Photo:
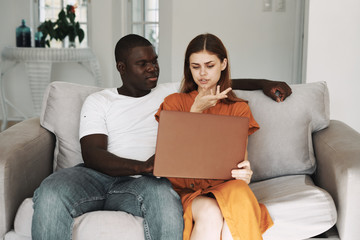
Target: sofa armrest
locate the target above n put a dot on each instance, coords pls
(337, 150)
(26, 158)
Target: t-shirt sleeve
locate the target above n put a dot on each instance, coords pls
(93, 117)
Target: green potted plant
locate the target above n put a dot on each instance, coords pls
(64, 26)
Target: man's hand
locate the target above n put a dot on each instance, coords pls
(278, 91)
(243, 172)
(149, 165)
(207, 99)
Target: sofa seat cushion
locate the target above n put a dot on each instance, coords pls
(298, 208)
(12, 235)
(108, 225)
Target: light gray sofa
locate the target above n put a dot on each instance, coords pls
(306, 167)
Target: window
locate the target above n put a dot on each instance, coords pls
(49, 10)
(145, 20)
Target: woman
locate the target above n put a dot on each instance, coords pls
(215, 209)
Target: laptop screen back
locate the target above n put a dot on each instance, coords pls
(195, 145)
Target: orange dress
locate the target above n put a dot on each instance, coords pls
(247, 219)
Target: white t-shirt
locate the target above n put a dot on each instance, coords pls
(128, 122)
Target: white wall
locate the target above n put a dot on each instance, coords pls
(11, 13)
(260, 44)
(263, 51)
(103, 19)
(333, 55)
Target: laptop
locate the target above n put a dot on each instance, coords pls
(196, 145)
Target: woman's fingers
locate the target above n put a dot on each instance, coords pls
(217, 93)
(244, 164)
(207, 98)
(220, 95)
(243, 172)
(217, 89)
(226, 91)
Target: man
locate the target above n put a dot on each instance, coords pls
(117, 137)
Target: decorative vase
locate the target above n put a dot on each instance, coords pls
(23, 35)
(37, 37)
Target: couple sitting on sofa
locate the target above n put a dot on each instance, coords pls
(118, 134)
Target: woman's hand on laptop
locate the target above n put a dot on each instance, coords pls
(243, 172)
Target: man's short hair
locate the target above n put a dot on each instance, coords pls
(128, 42)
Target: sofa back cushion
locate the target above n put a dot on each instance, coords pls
(282, 145)
(60, 114)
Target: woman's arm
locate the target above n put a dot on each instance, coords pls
(276, 90)
(243, 172)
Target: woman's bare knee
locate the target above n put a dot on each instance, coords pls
(207, 217)
(225, 233)
(206, 210)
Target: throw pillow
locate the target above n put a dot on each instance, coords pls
(283, 144)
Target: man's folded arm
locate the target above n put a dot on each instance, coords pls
(96, 156)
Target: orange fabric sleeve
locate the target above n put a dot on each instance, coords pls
(245, 111)
(174, 102)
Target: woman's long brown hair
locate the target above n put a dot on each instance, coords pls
(212, 44)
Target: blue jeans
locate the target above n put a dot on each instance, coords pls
(71, 192)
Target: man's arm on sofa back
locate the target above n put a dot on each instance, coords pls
(26, 158)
